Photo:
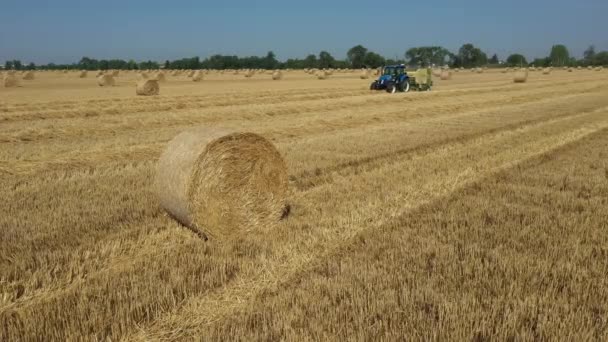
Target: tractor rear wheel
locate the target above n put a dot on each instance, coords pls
(391, 87)
(404, 86)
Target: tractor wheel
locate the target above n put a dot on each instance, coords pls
(404, 86)
(391, 88)
(374, 85)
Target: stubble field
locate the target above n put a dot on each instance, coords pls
(477, 211)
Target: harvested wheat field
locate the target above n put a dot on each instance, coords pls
(477, 211)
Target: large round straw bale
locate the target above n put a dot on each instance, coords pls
(197, 76)
(546, 71)
(321, 75)
(82, 74)
(520, 77)
(249, 73)
(28, 76)
(436, 72)
(589, 67)
(446, 75)
(277, 75)
(106, 81)
(570, 69)
(10, 81)
(479, 70)
(221, 182)
(147, 87)
(365, 74)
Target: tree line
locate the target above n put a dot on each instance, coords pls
(357, 57)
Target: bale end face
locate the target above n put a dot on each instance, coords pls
(520, 77)
(221, 182)
(147, 88)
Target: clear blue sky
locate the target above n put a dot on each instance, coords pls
(62, 31)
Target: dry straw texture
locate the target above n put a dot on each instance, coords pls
(147, 87)
(160, 77)
(321, 75)
(28, 76)
(82, 74)
(277, 75)
(197, 76)
(10, 81)
(365, 74)
(222, 182)
(249, 73)
(546, 71)
(520, 77)
(106, 81)
(446, 75)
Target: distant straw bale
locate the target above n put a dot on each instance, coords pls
(147, 88)
(106, 81)
(520, 76)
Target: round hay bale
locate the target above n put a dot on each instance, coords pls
(546, 71)
(11, 81)
(198, 76)
(365, 74)
(191, 73)
(106, 81)
(321, 75)
(446, 75)
(249, 73)
(479, 70)
(436, 72)
(520, 77)
(115, 73)
(223, 183)
(160, 77)
(147, 88)
(589, 67)
(99, 73)
(277, 75)
(83, 74)
(28, 76)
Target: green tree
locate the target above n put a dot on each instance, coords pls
(601, 58)
(516, 60)
(494, 59)
(589, 54)
(311, 61)
(8, 65)
(470, 56)
(373, 60)
(356, 56)
(559, 55)
(31, 66)
(326, 60)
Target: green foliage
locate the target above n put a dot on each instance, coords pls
(559, 55)
(589, 54)
(516, 60)
(470, 56)
(542, 62)
(494, 59)
(427, 55)
(356, 56)
(373, 60)
(326, 60)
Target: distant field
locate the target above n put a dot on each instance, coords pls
(477, 211)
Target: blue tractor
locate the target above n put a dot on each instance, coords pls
(394, 78)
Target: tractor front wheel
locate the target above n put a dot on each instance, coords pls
(391, 88)
(374, 86)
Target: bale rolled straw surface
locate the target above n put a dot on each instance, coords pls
(147, 88)
(11, 81)
(277, 75)
(446, 75)
(106, 81)
(28, 76)
(546, 71)
(520, 77)
(365, 74)
(197, 76)
(160, 77)
(221, 182)
(83, 74)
